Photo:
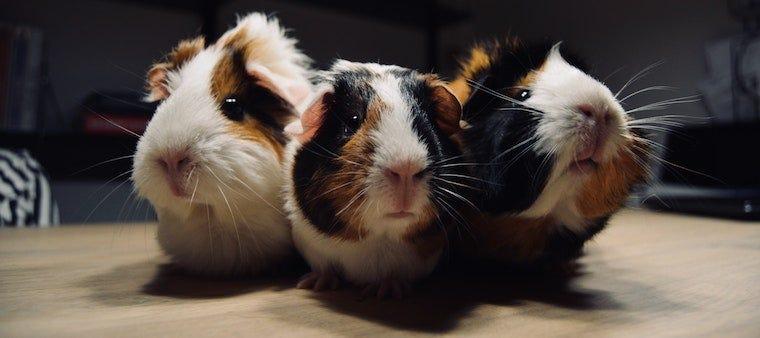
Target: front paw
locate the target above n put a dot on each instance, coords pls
(387, 288)
(319, 281)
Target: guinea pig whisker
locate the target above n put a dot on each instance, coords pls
(455, 183)
(495, 93)
(469, 178)
(612, 74)
(532, 138)
(638, 76)
(222, 182)
(658, 123)
(113, 123)
(460, 197)
(258, 195)
(543, 164)
(652, 143)
(102, 163)
(107, 195)
(521, 109)
(663, 161)
(447, 159)
(671, 118)
(234, 222)
(648, 89)
(353, 199)
(462, 165)
(452, 212)
(329, 191)
(660, 105)
(514, 160)
(192, 196)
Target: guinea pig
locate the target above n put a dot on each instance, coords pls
(552, 150)
(374, 179)
(211, 159)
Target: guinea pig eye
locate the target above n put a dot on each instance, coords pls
(233, 109)
(523, 95)
(352, 124)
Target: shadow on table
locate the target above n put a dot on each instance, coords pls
(440, 303)
(141, 283)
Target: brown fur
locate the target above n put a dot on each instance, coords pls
(448, 106)
(424, 236)
(518, 239)
(230, 79)
(357, 150)
(607, 189)
(157, 75)
(507, 238)
(480, 58)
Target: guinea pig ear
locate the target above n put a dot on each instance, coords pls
(158, 75)
(311, 119)
(295, 92)
(448, 109)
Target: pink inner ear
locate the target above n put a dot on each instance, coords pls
(312, 117)
(292, 91)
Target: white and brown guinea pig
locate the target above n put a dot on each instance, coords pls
(554, 152)
(210, 160)
(374, 177)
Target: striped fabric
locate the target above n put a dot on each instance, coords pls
(25, 196)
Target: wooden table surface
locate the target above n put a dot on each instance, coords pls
(648, 275)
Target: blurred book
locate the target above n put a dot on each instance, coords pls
(20, 77)
(106, 113)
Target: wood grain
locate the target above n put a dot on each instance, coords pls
(647, 275)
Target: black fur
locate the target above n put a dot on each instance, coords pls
(514, 174)
(345, 112)
(257, 102)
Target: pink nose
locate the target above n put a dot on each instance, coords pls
(592, 113)
(404, 171)
(177, 166)
(596, 134)
(404, 178)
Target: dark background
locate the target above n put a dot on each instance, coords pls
(105, 46)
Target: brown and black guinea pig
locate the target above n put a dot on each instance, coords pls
(552, 150)
(374, 179)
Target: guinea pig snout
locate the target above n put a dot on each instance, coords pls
(595, 127)
(405, 180)
(177, 166)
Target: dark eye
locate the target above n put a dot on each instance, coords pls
(523, 95)
(233, 109)
(352, 124)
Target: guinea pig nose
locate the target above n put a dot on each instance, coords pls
(176, 163)
(404, 171)
(601, 116)
(587, 110)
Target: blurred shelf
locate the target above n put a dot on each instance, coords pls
(65, 156)
(416, 14)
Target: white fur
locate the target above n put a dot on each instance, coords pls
(378, 256)
(381, 254)
(558, 90)
(232, 223)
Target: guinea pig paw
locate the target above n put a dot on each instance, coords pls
(387, 288)
(319, 281)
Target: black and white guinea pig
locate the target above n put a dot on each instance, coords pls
(210, 160)
(374, 178)
(552, 150)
